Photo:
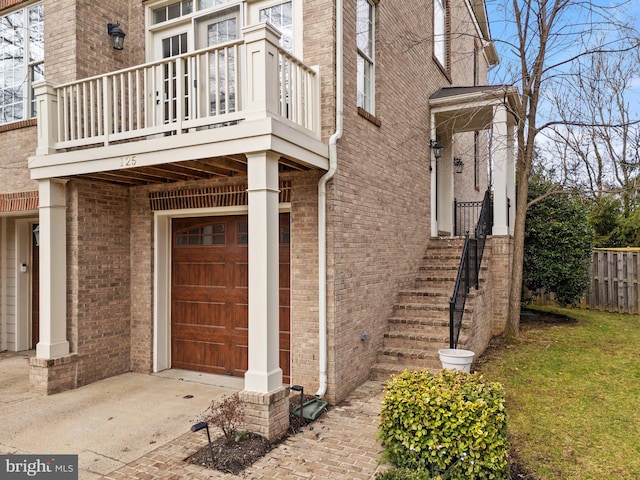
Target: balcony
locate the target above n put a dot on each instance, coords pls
(194, 115)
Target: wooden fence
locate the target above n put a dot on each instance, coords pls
(615, 281)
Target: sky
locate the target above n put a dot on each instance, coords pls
(503, 32)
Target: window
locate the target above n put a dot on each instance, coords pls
(440, 32)
(365, 44)
(175, 10)
(21, 61)
(281, 17)
(204, 235)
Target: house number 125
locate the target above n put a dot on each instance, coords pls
(128, 161)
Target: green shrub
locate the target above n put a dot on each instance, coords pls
(403, 474)
(450, 425)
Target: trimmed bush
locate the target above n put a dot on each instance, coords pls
(450, 425)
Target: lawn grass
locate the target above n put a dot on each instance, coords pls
(573, 395)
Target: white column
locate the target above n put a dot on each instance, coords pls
(434, 177)
(501, 155)
(53, 270)
(264, 374)
(511, 177)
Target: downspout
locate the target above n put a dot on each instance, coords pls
(322, 206)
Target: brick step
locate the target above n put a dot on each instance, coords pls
(433, 323)
(410, 357)
(414, 339)
(423, 283)
(419, 310)
(383, 371)
(446, 242)
(433, 295)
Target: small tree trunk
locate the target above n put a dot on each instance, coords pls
(512, 329)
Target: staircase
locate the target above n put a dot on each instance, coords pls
(419, 326)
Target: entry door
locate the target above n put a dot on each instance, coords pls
(209, 293)
(212, 30)
(170, 44)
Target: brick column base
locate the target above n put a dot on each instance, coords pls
(267, 413)
(53, 375)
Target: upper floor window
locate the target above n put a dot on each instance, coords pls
(281, 17)
(21, 61)
(365, 34)
(440, 39)
(182, 9)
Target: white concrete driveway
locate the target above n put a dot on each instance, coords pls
(108, 423)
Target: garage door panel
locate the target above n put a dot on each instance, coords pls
(197, 333)
(284, 319)
(240, 275)
(189, 274)
(240, 359)
(200, 313)
(240, 317)
(201, 356)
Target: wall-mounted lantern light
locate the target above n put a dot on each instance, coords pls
(458, 164)
(436, 147)
(117, 35)
(36, 235)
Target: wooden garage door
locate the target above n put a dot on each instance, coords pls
(209, 304)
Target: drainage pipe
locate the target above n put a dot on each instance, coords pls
(322, 205)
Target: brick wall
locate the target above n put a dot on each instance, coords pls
(16, 145)
(378, 202)
(99, 277)
(141, 282)
(304, 286)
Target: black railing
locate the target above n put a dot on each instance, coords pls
(469, 269)
(465, 216)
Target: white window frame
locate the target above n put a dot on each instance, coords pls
(366, 59)
(28, 68)
(440, 38)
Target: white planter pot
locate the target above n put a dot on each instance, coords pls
(456, 359)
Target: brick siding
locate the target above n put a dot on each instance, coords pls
(99, 279)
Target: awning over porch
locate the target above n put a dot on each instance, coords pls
(457, 110)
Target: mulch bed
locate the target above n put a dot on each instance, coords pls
(235, 457)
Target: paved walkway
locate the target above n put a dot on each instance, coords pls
(340, 445)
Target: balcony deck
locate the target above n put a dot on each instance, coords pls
(190, 116)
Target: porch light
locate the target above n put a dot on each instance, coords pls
(436, 147)
(458, 164)
(117, 35)
(36, 234)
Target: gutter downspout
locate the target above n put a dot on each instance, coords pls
(322, 205)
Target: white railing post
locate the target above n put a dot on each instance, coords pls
(263, 82)
(47, 100)
(314, 117)
(107, 110)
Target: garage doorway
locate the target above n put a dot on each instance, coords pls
(209, 294)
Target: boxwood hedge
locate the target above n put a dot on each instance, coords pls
(449, 425)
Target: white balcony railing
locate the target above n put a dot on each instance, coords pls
(215, 87)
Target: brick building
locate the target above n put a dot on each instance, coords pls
(246, 189)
